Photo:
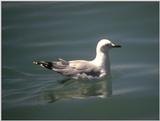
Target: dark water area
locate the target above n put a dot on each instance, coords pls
(71, 30)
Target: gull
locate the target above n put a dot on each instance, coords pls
(97, 68)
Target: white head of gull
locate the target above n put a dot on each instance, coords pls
(102, 59)
(97, 68)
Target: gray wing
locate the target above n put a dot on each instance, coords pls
(71, 68)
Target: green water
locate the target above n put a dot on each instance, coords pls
(71, 30)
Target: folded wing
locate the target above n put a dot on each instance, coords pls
(75, 68)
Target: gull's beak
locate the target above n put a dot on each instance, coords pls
(116, 46)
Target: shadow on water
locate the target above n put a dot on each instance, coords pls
(80, 89)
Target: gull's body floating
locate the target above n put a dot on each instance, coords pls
(97, 68)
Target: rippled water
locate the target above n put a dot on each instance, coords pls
(71, 30)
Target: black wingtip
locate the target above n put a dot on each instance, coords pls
(45, 64)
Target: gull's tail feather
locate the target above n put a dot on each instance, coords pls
(48, 65)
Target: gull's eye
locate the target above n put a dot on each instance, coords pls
(108, 45)
(105, 47)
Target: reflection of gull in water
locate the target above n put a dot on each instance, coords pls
(77, 89)
(82, 69)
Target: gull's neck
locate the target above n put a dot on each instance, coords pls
(102, 60)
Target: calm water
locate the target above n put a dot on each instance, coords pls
(71, 30)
